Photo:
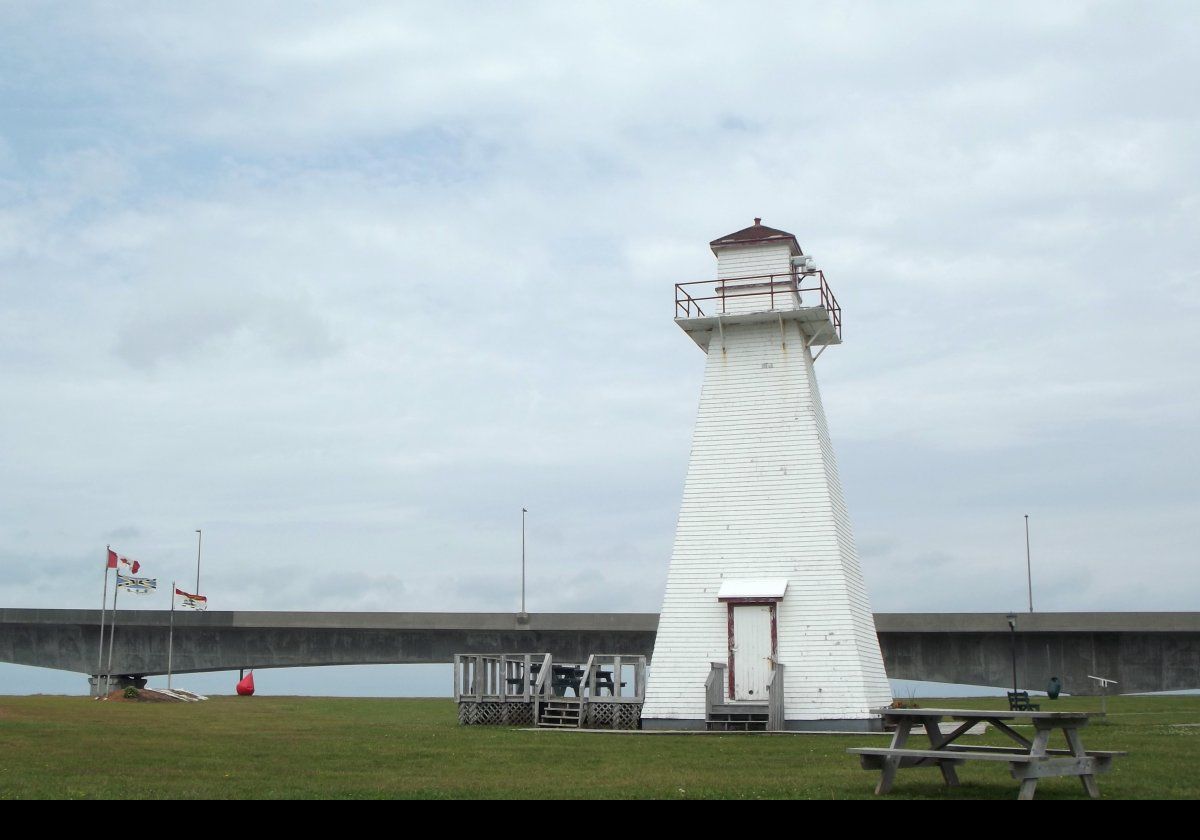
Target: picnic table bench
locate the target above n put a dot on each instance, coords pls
(1029, 761)
(604, 680)
(1018, 701)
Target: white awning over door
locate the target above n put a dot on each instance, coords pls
(768, 589)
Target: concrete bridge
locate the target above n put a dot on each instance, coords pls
(1143, 651)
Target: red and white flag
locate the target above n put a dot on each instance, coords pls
(192, 602)
(114, 559)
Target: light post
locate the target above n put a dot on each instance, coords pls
(1012, 626)
(523, 512)
(1028, 564)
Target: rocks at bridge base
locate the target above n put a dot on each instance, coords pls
(144, 695)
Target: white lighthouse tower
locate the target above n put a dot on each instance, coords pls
(765, 622)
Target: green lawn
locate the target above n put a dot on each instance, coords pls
(307, 747)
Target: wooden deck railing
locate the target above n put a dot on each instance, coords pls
(775, 712)
(517, 682)
(522, 677)
(714, 687)
(478, 677)
(622, 677)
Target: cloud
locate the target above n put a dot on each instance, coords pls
(348, 288)
(240, 330)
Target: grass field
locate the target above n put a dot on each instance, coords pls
(308, 747)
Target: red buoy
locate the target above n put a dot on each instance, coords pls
(246, 686)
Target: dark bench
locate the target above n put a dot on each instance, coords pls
(604, 679)
(1018, 701)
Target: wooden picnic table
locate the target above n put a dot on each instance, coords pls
(1029, 761)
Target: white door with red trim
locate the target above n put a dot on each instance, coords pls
(752, 652)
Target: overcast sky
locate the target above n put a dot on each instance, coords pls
(346, 287)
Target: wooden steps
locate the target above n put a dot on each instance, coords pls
(560, 713)
(741, 717)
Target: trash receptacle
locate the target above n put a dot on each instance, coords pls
(1053, 688)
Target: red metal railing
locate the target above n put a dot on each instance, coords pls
(767, 288)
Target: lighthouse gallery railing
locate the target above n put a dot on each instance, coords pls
(775, 291)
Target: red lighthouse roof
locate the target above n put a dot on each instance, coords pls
(755, 234)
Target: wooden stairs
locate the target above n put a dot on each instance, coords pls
(560, 713)
(740, 717)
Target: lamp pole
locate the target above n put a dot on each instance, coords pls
(1028, 563)
(1012, 626)
(171, 637)
(523, 512)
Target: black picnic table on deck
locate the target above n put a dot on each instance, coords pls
(1029, 761)
(564, 678)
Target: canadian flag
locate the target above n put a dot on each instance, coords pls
(132, 564)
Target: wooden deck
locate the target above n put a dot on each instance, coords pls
(522, 689)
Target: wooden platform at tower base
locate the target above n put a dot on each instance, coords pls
(531, 689)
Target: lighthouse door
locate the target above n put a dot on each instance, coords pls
(751, 651)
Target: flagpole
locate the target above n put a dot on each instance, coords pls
(199, 539)
(103, 606)
(112, 631)
(171, 636)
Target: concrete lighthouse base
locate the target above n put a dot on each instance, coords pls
(848, 725)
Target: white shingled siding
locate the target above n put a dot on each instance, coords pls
(754, 261)
(759, 262)
(757, 297)
(866, 637)
(762, 500)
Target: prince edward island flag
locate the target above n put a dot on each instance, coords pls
(192, 602)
